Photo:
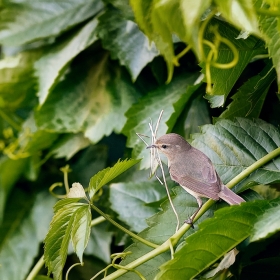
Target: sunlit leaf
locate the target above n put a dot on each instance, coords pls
(68, 222)
(25, 21)
(105, 176)
(94, 98)
(125, 42)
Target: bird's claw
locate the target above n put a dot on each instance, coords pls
(190, 222)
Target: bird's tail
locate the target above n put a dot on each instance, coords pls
(229, 196)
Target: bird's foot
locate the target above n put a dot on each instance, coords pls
(189, 222)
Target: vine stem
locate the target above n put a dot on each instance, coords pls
(133, 235)
(174, 239)
(35, 270)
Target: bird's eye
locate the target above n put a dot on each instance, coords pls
(164, 146)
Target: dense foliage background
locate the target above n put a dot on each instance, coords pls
(79, 78)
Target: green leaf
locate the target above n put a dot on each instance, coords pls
(26, 21)
(249, 99)
(68, 145)
(240, 13)
(171, 98)
(63, 226)
(125, 42)
(92, 99)
(270, 31)
(17, 81)
(50, 67)
(148, 15)
(99, 244)
(224, 79)
(81, 230)
(192, 12)
(267, 224)
(162, 225)
(24, 228)
(32, 139)
(10, 172)
(123, 6)
(234, 145)
(131, 201)
(215, 237)
(105, 176)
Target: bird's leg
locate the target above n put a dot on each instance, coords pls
(190, 220)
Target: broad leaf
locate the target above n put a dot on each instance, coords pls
(71, 220)
(32, 139)
(99, 244)
(25, 226)
(68, 145)
(10, 172)
(105, 176)
(249, 99)
(234, 145)
(17, 80)
(51, 65)
(148, 15)
(161, 226)
(240, 13)
(125, 42)
(171, 98)
(270, 30)
(81, 230)
(25, 21)
(224, 79)
(131, 201)
(215, 237)
(267, 224)
(91, 99)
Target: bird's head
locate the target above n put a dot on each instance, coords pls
(171, 144)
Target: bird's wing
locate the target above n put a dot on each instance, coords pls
(200, 187)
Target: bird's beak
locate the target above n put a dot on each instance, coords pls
(151, 146)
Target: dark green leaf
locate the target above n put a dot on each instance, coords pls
(267, 224)
(249, 99)
(131, 202)
(99, 244)
(234, 145)
(161, 226)
(51, 65)
(105, 176)
(26, 21)
(125, 42)
(171, 98)
(20, 241)
(92, 99)
(216, 236)
(224, 79)
(69, 145)
(10, 172)
(270, 30)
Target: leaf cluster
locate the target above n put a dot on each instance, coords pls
(79, 79)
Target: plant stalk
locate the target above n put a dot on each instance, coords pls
(178, 235)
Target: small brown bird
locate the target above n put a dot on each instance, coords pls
(194, 171)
